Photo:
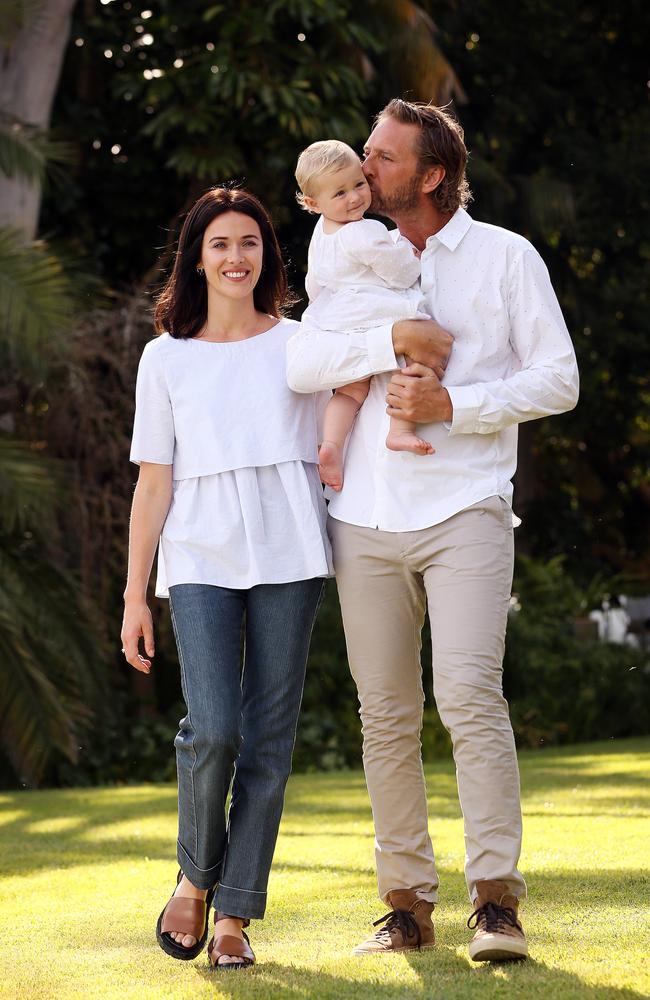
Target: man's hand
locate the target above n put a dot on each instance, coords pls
(425, 341)
(414, 393)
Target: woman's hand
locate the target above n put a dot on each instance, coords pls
(137, 623)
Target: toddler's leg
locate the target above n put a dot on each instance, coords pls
(401, 433)
(339, 417)
(402, 437)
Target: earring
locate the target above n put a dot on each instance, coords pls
(199, 269)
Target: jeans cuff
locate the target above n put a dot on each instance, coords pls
(202, 878)
(239, 902)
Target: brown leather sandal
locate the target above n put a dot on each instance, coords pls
(228, 944)
(185, 916)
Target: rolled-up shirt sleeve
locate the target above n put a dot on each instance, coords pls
(320, 359)
(548, 380)
(153, 427)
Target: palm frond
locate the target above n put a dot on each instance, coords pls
(416, 63)
(27, 151)
(34, 717)
(47, 678)
(35, 305)
(28, 485)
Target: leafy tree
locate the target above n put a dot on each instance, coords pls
(165, 102)
(47, 682)
(559, 127)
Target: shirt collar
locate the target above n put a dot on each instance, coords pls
(453, 232)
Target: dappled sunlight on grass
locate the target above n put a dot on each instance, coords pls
(100, 864)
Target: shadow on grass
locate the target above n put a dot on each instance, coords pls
(599, 810)
(581, 765)
(69, 828)
(438, 974)
(82, 820)
(444, 972)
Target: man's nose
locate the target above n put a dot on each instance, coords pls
(366, 166)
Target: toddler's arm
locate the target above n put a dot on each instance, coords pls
(312, 287)
(371, 244)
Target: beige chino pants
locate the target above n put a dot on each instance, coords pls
(462, 569)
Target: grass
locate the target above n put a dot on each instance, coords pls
(86, 873)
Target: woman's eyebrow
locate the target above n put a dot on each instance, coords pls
(249, 236)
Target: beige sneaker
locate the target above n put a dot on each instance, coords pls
(499, 936)
(407, 927)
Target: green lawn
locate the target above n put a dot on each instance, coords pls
(87, 872)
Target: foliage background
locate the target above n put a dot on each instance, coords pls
(157, 103)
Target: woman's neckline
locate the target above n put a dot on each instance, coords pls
(243, 340)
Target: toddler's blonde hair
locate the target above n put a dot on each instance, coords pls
(325, 157)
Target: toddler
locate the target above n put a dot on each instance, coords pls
(368, 281)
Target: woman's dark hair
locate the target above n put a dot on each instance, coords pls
(182, 306)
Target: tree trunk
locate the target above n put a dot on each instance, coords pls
(30, 66)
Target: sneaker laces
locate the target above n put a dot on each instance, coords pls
(398, 920)
(493, 916)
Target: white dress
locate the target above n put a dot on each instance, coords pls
(358, 278)
(247, 504)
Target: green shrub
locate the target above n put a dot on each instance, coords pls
(561, 688)
(124, 749)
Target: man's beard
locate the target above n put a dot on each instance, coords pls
(403, 199)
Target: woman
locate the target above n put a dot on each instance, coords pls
(229, 484)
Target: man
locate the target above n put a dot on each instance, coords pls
(408, 529)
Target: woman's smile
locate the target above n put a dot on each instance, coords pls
(235, 275)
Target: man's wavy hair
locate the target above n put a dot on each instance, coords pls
(441, 143)
(182, 306)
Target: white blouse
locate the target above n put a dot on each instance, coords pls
(358, 277)
(247, 503)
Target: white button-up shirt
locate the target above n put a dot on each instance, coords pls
(512, 360)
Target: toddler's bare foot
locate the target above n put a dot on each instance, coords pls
(408, 442)
(330, 464)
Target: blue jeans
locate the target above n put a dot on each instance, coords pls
(239, 729)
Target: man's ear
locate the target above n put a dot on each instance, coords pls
(432, 178)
